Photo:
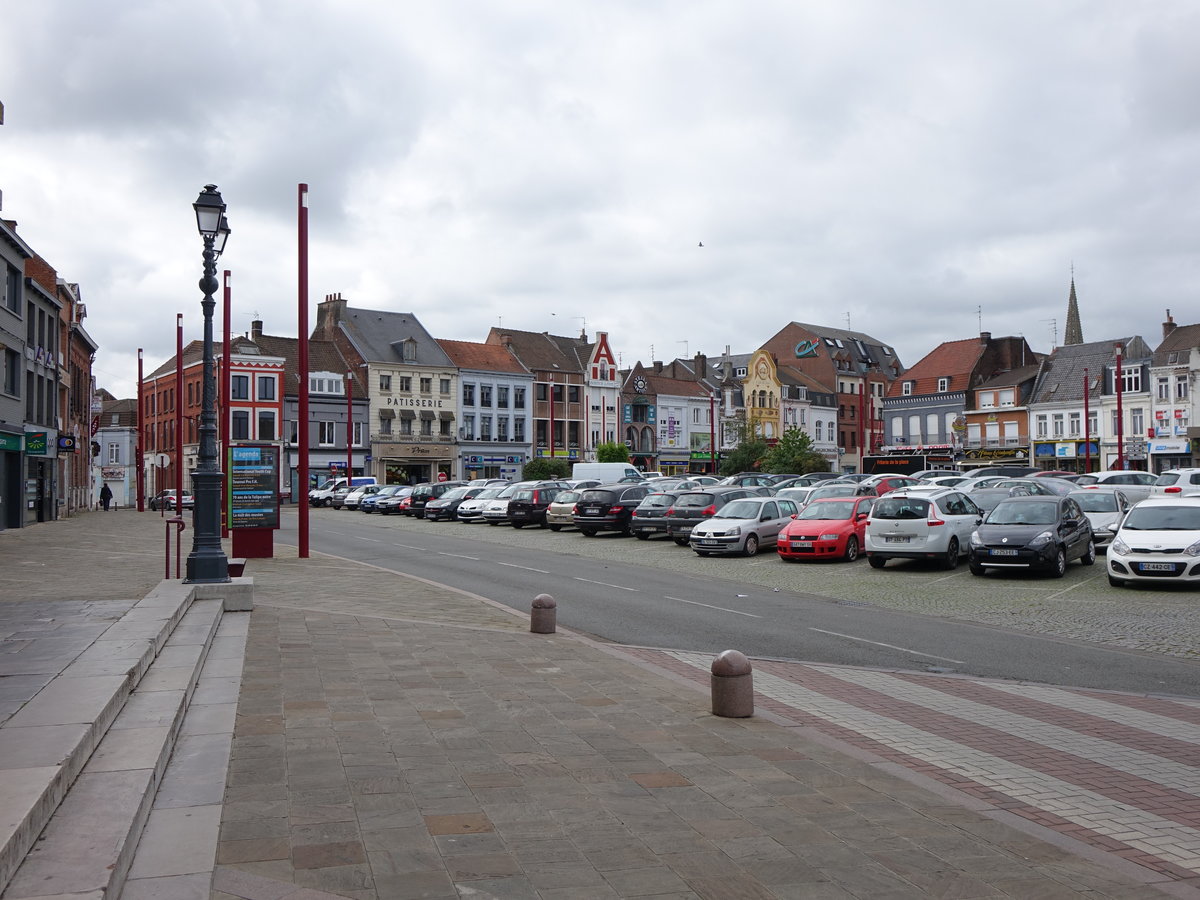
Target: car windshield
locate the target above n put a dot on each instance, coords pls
(1086, 479)
(1163, 518)
(388, 491)
(1017, 513)
(1096, 501)
(693, 501)
(455, 493)
(657, 501)
(899, 508)
(740, 509)
(567, 497)
(827, 509)
(488, 493)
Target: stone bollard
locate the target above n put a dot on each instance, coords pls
(732, 686)
(543, 614)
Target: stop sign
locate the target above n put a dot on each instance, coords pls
(441, 476)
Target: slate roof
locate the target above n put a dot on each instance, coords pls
(545, 352)
(323, 356)
(873, 348)
(377, 335)
(193, 352)
(125, 410)
(1184, 337)
(672, 387)
(1061, 378)
(954, 360)
(790, 375)
(1010, 378)
(482, 357)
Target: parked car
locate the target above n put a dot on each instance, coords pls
(747, 479)
(608, 508)
(742, 526)
(472, 510)
(650, 516)
(807, 480)
(946, 481)
(1039, 487)
(322, 495)
(560, 513)
(921, 523)
(528, 505)
(396, 502)
(1106, 509)
(337, 496)
(445, 507)
(926, 474)
(1056, 473)
(692, 507)
(837, 489)
(883, 484)
(355, 496)
(1177, 483)
(1033, 533)
(1002, 471)
(798, 495)
(827, 529)
(166, 500)
(367, 504)
(1135, 485)
(495, 511)
(430, 490)
(1159, 541)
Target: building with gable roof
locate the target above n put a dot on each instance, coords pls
(1175, 441)
(117, 434)
(668, 416)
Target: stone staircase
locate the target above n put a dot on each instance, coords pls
(82, 762)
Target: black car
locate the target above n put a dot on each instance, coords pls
(650, 516)
(527, 506)
(445, 507)
(608, 508)
(691, 507)
(1032, 533)
(423, 493)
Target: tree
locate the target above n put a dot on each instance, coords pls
(544, 469)
(794, 452)
(748, 454)
(612, 452)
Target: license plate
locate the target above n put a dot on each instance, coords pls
(592, 511)
(651, 528)
(802, 545)
(892, 539)
(1002, 552)
(1156, 567)
(708, 542)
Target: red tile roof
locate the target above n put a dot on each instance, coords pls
(484, 357)
(954, 360)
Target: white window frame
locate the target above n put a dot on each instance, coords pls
(943, 385)
(326, 434)
(262, 380)
(114, 453)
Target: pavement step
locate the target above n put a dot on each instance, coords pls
(108, 780)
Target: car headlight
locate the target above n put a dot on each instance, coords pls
(1120, 546)
(1042, 539)
(976, 540)
(829, 537)
(733, 531)
(1193, 550)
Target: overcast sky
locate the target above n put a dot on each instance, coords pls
(910, 169)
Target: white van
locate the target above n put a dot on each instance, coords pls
(605, 473)
(323, 495)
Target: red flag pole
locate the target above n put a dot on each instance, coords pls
(1087, 426)
(302, 415)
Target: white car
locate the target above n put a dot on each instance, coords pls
(1159, 542)
(352, 499)
(472, 510)
(1135, 485)
(921, 523)
(1106, 509)
(742, 526)
(495, 511)
(1177, 483)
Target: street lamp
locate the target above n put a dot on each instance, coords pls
(207, 564)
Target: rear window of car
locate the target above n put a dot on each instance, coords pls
(596, 497)
(900, 508)
(693, 501)
(1089, 479)
(523, 495)
(424, 490)
(567, 497)
(657, 501)
(1165, 479)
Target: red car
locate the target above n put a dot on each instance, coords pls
(826, 529)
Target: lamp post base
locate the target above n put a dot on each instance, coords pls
(207, 563)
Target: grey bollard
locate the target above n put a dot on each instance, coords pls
(543, 614)
(732, 686)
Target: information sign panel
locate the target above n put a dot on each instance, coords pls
(254, 486)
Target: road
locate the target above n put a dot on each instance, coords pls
(627, 596)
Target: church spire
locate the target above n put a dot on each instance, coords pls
(1074, 331)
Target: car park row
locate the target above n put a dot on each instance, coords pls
(1039, 523)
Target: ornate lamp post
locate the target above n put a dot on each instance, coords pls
(207, 564)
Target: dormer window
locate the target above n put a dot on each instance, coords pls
(943, 385)
(906, 388)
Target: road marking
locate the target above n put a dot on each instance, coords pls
(526, 568)
(1072, 587)
(458, 556)
(372, 540)
(851, 637)
(948, 577)
(410, 547)
(736, 612)
(619, 587)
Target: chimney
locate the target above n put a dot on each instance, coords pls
(506, 340)
(701, 366)
(256, 330)
(658, 367)
(1169, 325)
(985, 337)
(329, 313)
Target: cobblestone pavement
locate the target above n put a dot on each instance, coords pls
(1081, 606)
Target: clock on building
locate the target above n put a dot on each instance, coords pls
(639, 384)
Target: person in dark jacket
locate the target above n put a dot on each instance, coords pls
(106, 496)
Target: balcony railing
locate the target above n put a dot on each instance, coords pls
(992, 443)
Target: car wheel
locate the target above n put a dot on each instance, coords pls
(851, 553)
(951, 560)
(1115, 581)
(1059, 567)
(329, 501)
(877, 562)
(751, 547)
(518, 524)
(1090, 557)
(642, 536)
(556, 528)
(588, 532)
(682, 542)
(976, 569)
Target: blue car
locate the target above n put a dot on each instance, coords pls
(367, 504)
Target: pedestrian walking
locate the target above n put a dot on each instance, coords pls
(105, 496)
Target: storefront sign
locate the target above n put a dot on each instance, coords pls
(1179, 448)
(10, 442)
(254, 486)
(112, 473)
(997, 453)
(35, 443)
(414, 401)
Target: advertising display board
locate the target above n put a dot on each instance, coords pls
(253, 486)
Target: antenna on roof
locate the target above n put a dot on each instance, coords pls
(979, 316)
(847, 321)
(685, 348)
(1053, 331)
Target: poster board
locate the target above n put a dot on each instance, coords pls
(253, 498)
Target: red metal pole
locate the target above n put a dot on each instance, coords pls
(552, 415)
(1087, 426)
(139, 444)
(302, 414)
(712, 431)
(350, 429)
(862, 395)
(223, 383)
(179, 413)
(1120, 413)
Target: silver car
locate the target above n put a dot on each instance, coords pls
(1134, 485)
(472, 510)
(560, 513)
(1106, 509)
(742, 526)
(921, 523)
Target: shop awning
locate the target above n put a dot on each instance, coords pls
(446, 416)
(407, 414)
(387, 414)
(427, 414)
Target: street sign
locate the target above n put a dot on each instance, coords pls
(442, 476)
(162, 460)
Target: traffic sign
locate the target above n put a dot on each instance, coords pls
(162, 460)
